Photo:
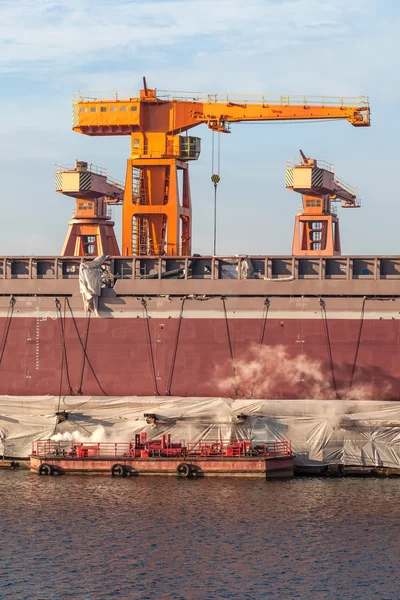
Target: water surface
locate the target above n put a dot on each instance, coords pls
(145, 538)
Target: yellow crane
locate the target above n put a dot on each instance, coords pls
(157, 214)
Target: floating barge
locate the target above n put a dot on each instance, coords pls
(161, 457)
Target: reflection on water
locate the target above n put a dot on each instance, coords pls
(158, 538)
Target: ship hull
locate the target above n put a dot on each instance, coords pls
(288, 357)
(309, 350)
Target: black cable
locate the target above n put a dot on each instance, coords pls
(6, 331)
(328, 344)
(353, 369)
(236, 386)
(61, 319)
(58, 308)
(82, 346)
(261, 340)
(171, 374)
(151, 354)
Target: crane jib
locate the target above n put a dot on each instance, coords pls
(157, 216)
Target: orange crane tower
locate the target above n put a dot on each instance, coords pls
(316, 231)
(157, 216)
(91, 231)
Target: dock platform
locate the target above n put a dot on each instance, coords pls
(161, 457)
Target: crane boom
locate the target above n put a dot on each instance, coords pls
(155, 219)
(172, 113)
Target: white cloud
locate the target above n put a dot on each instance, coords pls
(60, 31)
(50, 48)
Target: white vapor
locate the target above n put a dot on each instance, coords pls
(97, 435)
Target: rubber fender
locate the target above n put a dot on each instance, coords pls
(45, 469)
(118, 470)
(130, 472)
(184, 470)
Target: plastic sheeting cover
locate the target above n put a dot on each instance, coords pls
(90, 283)
(360, 433)
(230, 267)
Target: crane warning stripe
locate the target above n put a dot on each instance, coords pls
(85, 181)
(317, 177)
(289, 177)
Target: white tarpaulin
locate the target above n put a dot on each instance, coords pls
(90, 283)
(362, 433)
(229, 268)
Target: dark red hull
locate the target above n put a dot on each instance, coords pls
(195, 357)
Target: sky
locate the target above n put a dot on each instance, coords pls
(50, 49)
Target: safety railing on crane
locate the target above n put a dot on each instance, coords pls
(91, 168)
(349, 188)
(115, 182)
(284, 100)
(291, 163)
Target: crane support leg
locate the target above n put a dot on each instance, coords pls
(316, 235)
(156, 208)
(90, 238)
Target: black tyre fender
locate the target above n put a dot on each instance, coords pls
(118, 470)
(45, 469)
(130, 471)
(184, 470)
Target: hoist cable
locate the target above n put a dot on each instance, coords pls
(215, 178)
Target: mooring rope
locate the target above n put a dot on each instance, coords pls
(353, 369)
(6, 331)
(84, 354)
(228, 333)
(150, 346)
(64, 363)
(328, 344)
(84, 349)
(262, 334)
(178, 331)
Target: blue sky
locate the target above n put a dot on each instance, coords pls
(49, 49)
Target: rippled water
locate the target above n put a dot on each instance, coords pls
(161, 538)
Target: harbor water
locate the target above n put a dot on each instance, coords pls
(145, 538)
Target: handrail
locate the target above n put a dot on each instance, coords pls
(346, 186)
(180, 96)
(291, 163)
(91, 168)
(201, 448)
(119, 184)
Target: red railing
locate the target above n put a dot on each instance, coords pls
(157, 448)
(278, 448)
(219, 448)
(239, 448)
(83, 449)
